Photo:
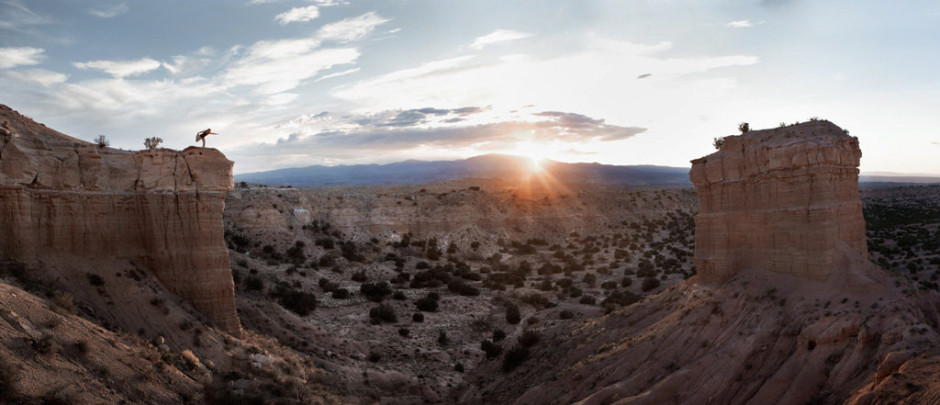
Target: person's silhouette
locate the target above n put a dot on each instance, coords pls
(201, 136)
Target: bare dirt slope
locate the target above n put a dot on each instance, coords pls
(760, 338)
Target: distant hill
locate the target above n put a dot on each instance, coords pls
(484, 166)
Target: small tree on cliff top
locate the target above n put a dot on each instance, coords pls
(152, 142)
(744, 127)
(718, 142)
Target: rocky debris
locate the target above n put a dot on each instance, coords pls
(73, 206)
(784, 200)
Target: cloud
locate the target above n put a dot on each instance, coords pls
(935, 143)
(498, 36)
(298, 14)
(601, 74)
(742, 24)
(42, 77)
(16, 16)
(12, 57)
(338, 74)
(346, 137)
(351, 29)
(320, 3)
(121, 68)
(277, 66)
(109, 12)
(644, 75)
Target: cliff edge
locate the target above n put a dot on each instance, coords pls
(784, 200)
(80, 209)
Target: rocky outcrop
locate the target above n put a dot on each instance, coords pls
(784, 200)
(76, 207)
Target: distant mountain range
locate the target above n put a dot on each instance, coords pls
(484, 166)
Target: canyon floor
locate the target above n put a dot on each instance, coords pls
(484, 291)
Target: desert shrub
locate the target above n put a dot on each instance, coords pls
(491, 349)
(498, 335)
(326, 285)
(95, 279)
(376, 292)
(442, 338)
(375, 356)
(513, 316)
(514, 357)
(575, 292)
(382, 313)
(458, 367)
(298, 302)
(296, 252)
(566, 314)
(462, 288)
(426, 304)
(340, 293)
(538, 301)
(650, 283)
(589, 279)
(400, 296)
(609, 285)
(532, 320)
(588, 300)
(529, 338)
(351, 251)
(65, 301)
(403, 332)
(325, 242)
(360, 276)
(626, 282)
(46, 345)
(9, 379)
(622, 298)
(417, 317)
(253, 283)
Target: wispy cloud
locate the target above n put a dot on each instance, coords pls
(11, 57)
(298, 14)
(14, 15)
(603, 71)
(42, 77)
(338, 74)
(742, 24)
(498, 36)
(277, 66)
(351, 29)
(109, 12)
(935, 143)
(121, 68)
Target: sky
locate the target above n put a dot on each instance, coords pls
(291, 83)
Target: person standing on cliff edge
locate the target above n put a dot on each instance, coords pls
(201, 136)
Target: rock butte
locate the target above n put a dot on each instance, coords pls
(784, 200)
(75, 207)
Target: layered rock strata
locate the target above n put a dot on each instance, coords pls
(784, 200)
(78, 207)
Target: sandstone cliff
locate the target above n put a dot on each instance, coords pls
(74, 208)
(784, 200)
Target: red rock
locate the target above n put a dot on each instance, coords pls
(784, 200)
(65, 202)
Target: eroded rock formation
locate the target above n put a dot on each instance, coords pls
(784, 200)
(76, 207)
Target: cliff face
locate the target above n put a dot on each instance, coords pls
(77, 208)
(784, 200)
